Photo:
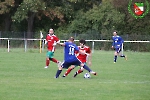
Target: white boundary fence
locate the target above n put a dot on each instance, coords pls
(42, 41)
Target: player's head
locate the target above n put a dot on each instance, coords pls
(51, 31)
(71, 39)
(82, 42)
(115, 33)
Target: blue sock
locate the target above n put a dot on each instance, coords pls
(115, 58)
(87, 68)
(58, 73)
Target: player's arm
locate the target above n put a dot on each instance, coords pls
(58, 41)
(80, 51)
(113, 43)
(89, 59)
(61, 44)
(84, 53)
(121, 40)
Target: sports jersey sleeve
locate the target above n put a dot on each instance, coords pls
(88, 50)
(66, 43)
(113, 43)
(121, 40)
(56, 39)
(76, 48)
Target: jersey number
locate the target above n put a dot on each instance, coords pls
(71, 51)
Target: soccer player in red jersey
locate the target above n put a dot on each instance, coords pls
(81, 57)
(51, 41)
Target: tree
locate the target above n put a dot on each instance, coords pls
(103, 18)
(27, 11)
(74, 11)
(131, 24)
(30, 9)
(5, 13)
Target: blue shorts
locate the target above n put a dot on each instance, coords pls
(118, 50)
(83, 63)
(66, 64)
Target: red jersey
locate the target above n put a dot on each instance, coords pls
(51, 40)
(81, 57)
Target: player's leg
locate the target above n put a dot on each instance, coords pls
(115, 57)
(126, 57)
(117, 50)
(87, 68)
(122, 55)
(69, 70)
(78, 62)
(63, 65)
(47, 59)
(51, 57)
(58, 72)
(78, 72)
(55, 60)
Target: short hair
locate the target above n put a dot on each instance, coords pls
(115, 31)
(82, 41)
(51, 29)
(71, 39)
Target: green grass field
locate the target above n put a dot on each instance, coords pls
(23, 77)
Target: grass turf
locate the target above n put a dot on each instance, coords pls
(22, 76)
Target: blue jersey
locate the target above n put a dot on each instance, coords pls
(117, 41)
(69, 52)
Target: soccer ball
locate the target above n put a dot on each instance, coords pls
(87, 75)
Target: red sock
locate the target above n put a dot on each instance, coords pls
(68, 71)
(47, 62)
(79, 71)
(54, 60)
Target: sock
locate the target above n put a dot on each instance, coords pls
(54, 60)
(68, 71)
(87, 68)
(58, 73)
(47, 62)
(79, 71)
(115, 58)
(122, 56)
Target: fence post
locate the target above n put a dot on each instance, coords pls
(122, 49)
(0, 37)
(43, 45)
(93, 47)
(8, 45)
(25, 45)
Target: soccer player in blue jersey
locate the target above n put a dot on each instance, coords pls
(70, 57)
(117, 46)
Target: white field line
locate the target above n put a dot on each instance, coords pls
(102, 82)
(126, 82)
(110, 82)
(138, 75)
